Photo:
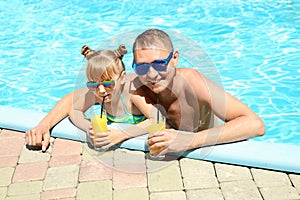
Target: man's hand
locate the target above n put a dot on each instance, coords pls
(38, 136)
(170, 140)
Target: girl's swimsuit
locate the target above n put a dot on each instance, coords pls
(127, 118)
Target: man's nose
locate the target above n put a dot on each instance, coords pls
(152, 73)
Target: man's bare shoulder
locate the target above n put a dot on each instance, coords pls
(190, 74)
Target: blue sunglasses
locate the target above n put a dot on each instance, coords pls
(158, 65)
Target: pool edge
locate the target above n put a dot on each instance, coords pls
(274, 156)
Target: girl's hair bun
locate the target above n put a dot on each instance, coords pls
(121, 51)
(87, 52)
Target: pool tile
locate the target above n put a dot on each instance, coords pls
(88, 153)
(63, 147)
(30, 172)
(29, 156)
(94, 190)
(93, 170)
(132, 168)
(23, 188)
(6, 175)
(8, 161)
(295, 178)
(124, 156)
(265, 178)
(24, 197)
(128, 176)
(205, 194)
(190, 167)
(11, 146)
(164, 176)
(61, 177)
(129, 161)
(57, 161)
(200, 182)
(245, 189)
(227, 172)
(11, 133)
(279, 193)
(3, 191)
(174, 195)
(155, 165)
(131, 193)
(198, 174)
(59, 194)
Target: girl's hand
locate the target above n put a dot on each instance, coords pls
(98, 140)
(38, 136)
(108, 139)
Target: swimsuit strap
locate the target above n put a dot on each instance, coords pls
(127, 117)
(123, 102)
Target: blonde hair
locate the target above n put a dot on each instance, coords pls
(103, 64)
(153, 39)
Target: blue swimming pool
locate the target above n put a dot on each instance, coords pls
(255, 46)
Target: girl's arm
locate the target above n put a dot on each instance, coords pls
(84, 99)
(40, 135)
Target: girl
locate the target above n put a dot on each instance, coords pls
(108, 82)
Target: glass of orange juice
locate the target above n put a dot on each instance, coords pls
(99, 124)
(158, 123)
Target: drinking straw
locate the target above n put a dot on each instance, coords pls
(102, 106)
(157, 117)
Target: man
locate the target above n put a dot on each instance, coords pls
(190, 100)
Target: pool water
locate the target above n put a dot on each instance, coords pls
(255, 46)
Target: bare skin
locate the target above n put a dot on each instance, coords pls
(190, 101)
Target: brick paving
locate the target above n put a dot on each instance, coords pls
(71, 170)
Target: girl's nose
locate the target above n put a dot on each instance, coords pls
(102, 89)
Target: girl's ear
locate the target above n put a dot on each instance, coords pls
(123, 74)
(123, 77)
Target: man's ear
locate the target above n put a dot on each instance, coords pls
(175, 58)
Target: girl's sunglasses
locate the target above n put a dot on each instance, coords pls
(158, 65)
(93, 85)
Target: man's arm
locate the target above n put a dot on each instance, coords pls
(240, 121)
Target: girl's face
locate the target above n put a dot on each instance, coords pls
(106, 88)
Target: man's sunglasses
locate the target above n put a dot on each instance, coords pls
(93, 85)
(158, 65)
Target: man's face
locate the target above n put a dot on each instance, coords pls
(155, 76)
